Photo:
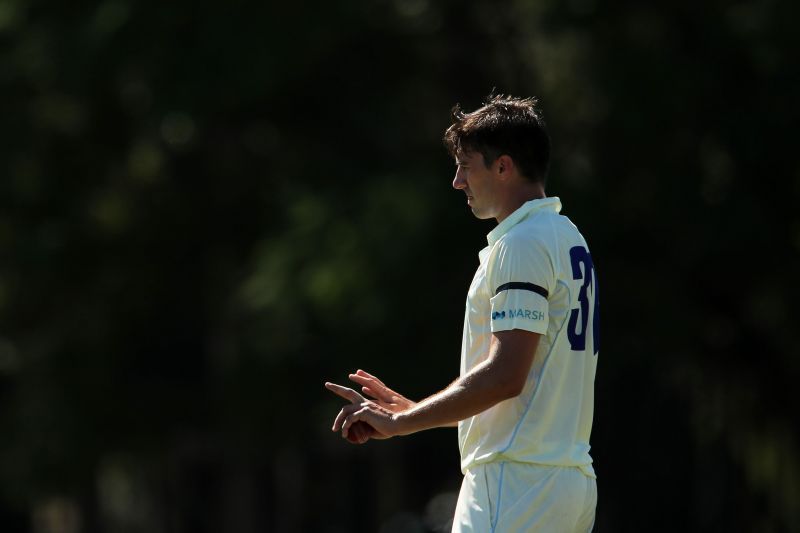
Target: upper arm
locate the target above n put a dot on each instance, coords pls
(511, 355)
(521, 278)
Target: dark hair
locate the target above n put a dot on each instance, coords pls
(505, 125)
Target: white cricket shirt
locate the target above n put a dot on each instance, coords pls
(536, 275)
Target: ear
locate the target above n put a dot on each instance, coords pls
(504, 166)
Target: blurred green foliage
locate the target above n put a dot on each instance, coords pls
(207, 210)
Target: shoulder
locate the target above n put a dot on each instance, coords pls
(525, 247)
(537, 232)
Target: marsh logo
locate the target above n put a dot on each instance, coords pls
(518, 313)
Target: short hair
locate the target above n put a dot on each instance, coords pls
(505, 125)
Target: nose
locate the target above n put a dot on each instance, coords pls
(458, 181)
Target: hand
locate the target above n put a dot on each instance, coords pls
(380, 393)
(379, 419)
(360, 432)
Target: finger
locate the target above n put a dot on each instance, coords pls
(384, 401)
(360, 379)
(369, 376)
(352, 419)
(343, 414)
(377, 390)
(345, 392)
(337, 423)
(369, 392)
(360, 432)
(354, 434)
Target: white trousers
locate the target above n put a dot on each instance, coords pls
(507, 497)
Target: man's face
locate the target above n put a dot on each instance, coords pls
(478, 182)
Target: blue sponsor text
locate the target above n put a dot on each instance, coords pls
(518, 313)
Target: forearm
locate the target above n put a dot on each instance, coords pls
(501, 376)
(478, 390)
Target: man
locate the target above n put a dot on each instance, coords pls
(524, 400)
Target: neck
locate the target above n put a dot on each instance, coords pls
(518, 196)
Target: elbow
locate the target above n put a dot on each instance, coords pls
(501, 382)
(511, 387)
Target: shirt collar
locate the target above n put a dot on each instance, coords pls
(552, 203)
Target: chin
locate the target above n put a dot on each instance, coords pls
(482, 215)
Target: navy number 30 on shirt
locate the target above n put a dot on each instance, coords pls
(583, 269)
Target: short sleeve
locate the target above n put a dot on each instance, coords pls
(521, 277)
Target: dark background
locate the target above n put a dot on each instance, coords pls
(209, 209)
